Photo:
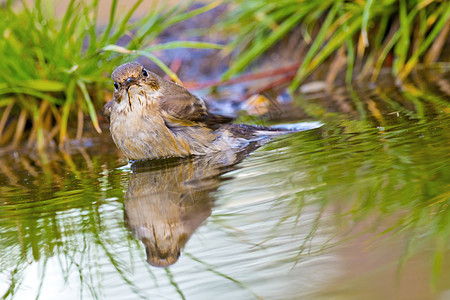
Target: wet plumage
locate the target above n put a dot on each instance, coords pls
(151, 117)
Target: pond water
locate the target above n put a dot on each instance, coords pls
(355, 209)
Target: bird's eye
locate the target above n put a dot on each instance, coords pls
(144, 72)
(116, 86)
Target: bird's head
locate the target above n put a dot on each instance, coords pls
(133, 75)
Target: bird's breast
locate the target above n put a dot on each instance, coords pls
(142, 135)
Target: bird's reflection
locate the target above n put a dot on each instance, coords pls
(167, 200)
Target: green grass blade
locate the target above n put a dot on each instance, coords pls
(258, 49)
(66, 110)
(183, 44)
(90, 106)
(160, 64)
(31, 92)
(190, 14)
(67, 15)
(382, 56)
(301, 73)
(118, 49)
(6, 101)
(382, 27)
(427, 42)
(121, 29)
(171, 45)
(43, 85)
(112, 14)
(350, 61)
(402, 46)
(365, 21)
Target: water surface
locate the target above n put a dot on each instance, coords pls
(355, 209)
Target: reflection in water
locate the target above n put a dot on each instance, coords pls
(358, 209)
(167, 201)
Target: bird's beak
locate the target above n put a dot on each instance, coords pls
(130, 81)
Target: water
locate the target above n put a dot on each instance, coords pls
(355, 209)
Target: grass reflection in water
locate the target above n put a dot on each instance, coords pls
(301, 216)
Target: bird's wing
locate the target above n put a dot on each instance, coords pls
(180, 107)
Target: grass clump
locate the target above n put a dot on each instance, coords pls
(55, 70)
(364, 34)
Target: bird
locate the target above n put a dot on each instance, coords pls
(153, 118)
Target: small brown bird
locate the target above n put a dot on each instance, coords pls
(151, 117)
